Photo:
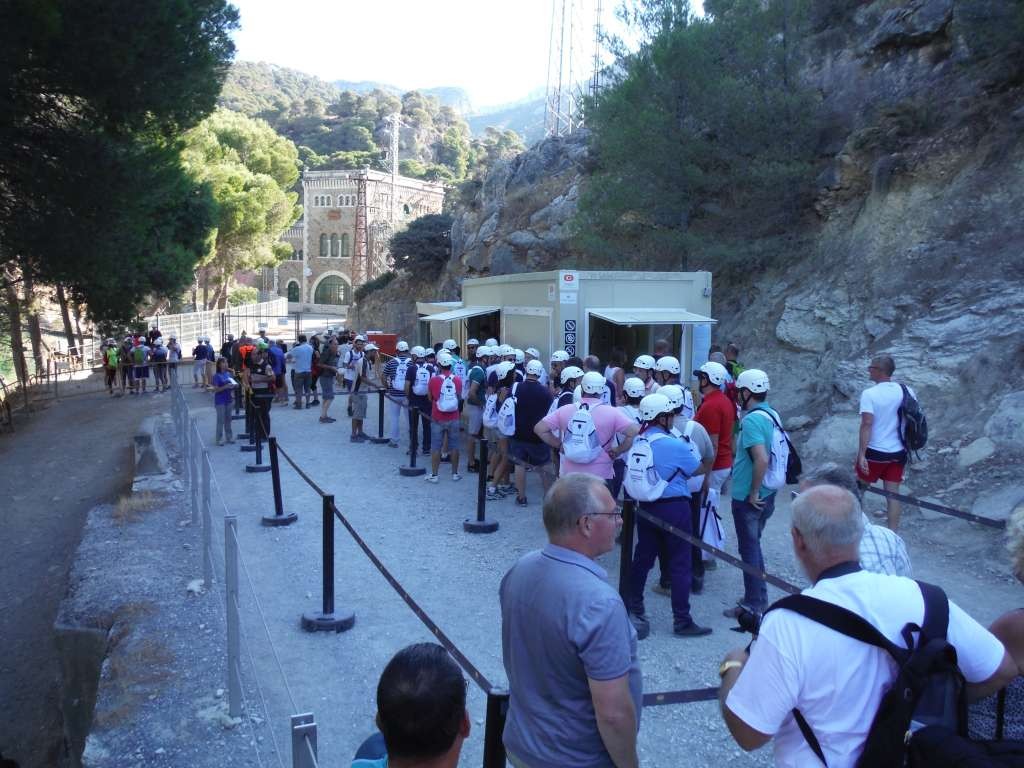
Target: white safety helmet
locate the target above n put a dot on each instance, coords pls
(715, 372)
(559, 356)
(419, 351)
(674, 393)
(492, 342)
(533, 352)
(668, 363)
(444, 359)
(571, 373)
(520, 356)
(505, 350)
(634, 387)
(360, 337)
(503, 369)
(472, 343)
(593, 383)
(483, 351)
(534, 368)
(644, 361)
(402, 346)
(173, 337)
(754, 380)
(449, 345)
(654, 405)
(371, 347)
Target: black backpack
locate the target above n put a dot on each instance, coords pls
(913, 424)
(928, 690)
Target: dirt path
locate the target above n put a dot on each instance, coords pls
(59, 464)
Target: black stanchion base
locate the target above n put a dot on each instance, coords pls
(412, 471)
(257, 467)
(380, 440)
(278, 520)
(339, 621)
(248, 448)
(480, 526)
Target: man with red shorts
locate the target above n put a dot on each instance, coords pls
(881, 454)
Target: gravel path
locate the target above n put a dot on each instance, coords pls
(416, 530)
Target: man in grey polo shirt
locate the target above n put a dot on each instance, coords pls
(567, 643)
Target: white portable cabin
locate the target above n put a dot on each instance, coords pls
(582, 313)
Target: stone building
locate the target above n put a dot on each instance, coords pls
(341, 240)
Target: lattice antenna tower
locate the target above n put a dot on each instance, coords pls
(595, 81)
(568, 65)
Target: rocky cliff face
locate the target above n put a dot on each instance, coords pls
(917, 252)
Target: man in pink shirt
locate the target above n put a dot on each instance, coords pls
(444, 392)
(607, 421)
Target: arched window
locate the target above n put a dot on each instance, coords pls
(334, 246)
(406, 209)
(293, 291)
(323, 246)
(344, 246)
(332, 290)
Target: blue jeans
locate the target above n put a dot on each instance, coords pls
(750, 523)
(649, 541)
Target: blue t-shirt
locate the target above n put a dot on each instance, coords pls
(302, 358)
(552, 640)
(277, 360)
(225, 397)
(673, 458)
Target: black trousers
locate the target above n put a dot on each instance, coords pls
(419, 416)
(261, 403)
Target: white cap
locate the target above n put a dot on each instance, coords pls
(533, 352)
(644, 361)
(444, 359)
(571, 372)
(360, 337)
(559, 356)
(371, 347)
(753, 379)
(505, 350)
(534, 368)
(653, 406)
(492, 342)
(449, 344)
(402, 346)
(634, 387)
(593, 383)
(715, 372)
(472, 343)
(483, 351)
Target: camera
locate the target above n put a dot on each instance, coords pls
(749, 621)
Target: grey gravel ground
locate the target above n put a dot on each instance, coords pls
(416, 530)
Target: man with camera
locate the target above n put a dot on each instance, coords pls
(798, 667)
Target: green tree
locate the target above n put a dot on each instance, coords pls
(425, 246)
(250, 170)
(243, 294)
(453, 150)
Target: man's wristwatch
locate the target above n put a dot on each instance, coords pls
(727, 665)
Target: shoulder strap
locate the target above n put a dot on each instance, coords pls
(841, 620)
(936, 612)
(688, 431)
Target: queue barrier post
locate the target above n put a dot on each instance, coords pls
(279, 517)
(494, 728)
(250, 426)
(259, 466)
(238, 415)
(247, 405)
(414, 422)
(380, 439)
(304, 746)
(234, 637)
(481, 525)
(328, 620)
(626, 552)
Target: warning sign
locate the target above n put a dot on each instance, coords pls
(569, 281)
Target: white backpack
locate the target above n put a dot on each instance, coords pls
(775, 475)
(580, 441)
(507, 414)
(448, 399)
(400, 371)
(642, 481)
(490, 415)
(459, 370)
(421, 383)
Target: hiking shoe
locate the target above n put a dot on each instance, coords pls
(392, 444)
(522, 502)
(507, 489)
(492, 492)
(431, 478)
(693, 629)
(357, 439)
(697, 585)
(641, 625)
(220, 442)
(315, 402)
(711, 565)
(660, 590)
(736, 611)
(327, 420)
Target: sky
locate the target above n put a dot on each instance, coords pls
(497, 51)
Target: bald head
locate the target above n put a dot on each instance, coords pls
(830, 521)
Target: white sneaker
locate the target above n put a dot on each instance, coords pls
(456, 476)
(430, 478)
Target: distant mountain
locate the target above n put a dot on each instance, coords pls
(448, 96)
(525, 118)
(266, 90)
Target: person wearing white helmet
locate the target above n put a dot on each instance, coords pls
(752, 501)
(499, 385)
(366, 379)
(570, 377)
(199, 363)
(492, 343)
(666, 371)
(674, 460)
(532, 353)
(718, 417)
(633, 391)
(471, 347)
(610, 395)
(476, 388)
(559, 359)
(694, 433)
(643, 369)
(526, 449)
(394, 395)
(351, 363)
(444, 391)
(417, 388)
(173, 358)
(519, 358)
(586, 431)
(158, 355)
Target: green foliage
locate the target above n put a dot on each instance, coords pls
(412, 168)
(242, 294)
(424, 247)
(376, 284)
(95, 195)
(707, 132)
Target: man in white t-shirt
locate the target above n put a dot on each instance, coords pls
(881, 454)
(837, 682)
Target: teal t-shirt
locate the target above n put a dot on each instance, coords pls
(477, 374)
(754, 430)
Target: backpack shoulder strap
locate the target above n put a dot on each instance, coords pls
(688, 431)
(841, 620)
(936, 612)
